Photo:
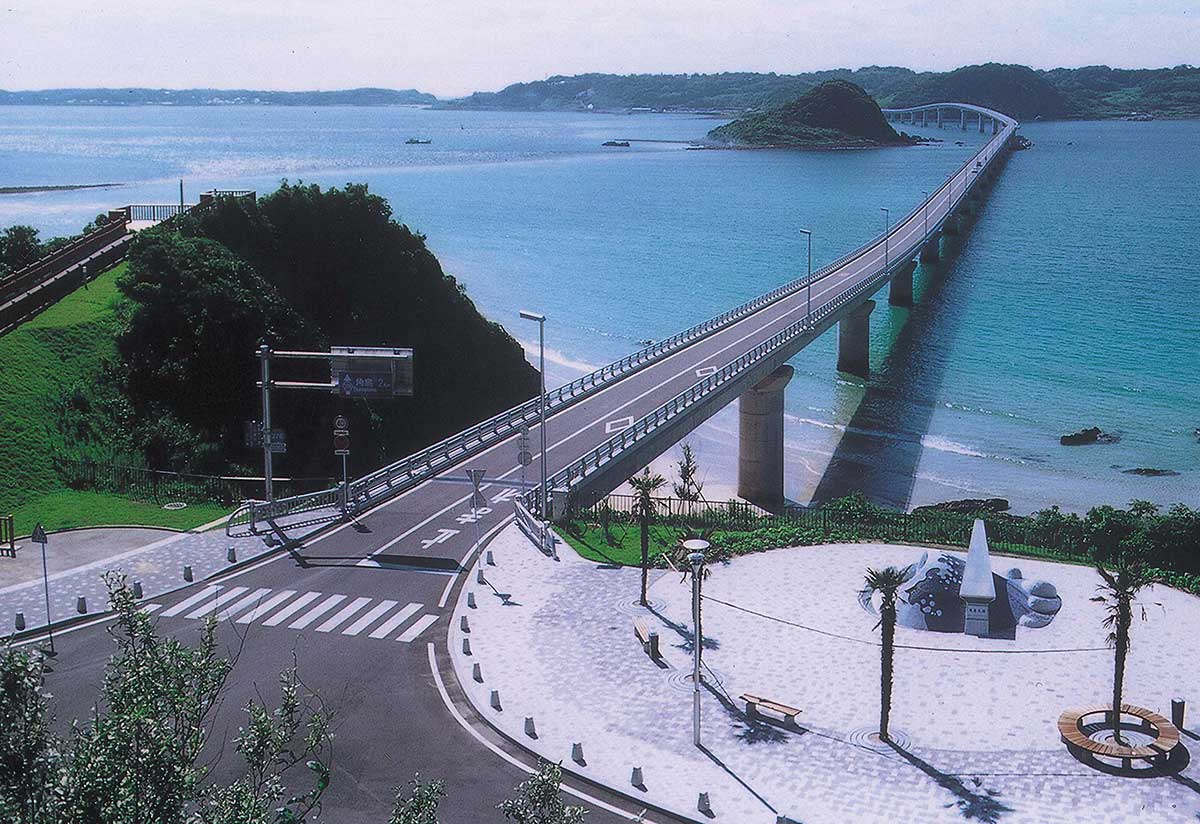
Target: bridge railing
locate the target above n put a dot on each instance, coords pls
(413, 469)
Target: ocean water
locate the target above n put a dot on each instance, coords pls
(1070, 303)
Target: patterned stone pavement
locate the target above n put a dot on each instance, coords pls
(555, 639)
(158, 564)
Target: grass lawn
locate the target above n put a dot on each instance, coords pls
(627, 549)
(70, 508)
(41, 362)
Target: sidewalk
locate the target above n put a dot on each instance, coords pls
(78, 559)
(976, 732)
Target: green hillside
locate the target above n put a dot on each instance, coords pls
(835, 114)
(44, 365)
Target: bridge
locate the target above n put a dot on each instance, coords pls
(604, 426)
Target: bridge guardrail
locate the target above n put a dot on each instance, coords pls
(411, 470)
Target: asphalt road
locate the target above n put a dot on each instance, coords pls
(394, 570)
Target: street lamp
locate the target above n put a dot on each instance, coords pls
(541, 322)
(925, 211)
(887, 231)
(696, 548)
(808, 290)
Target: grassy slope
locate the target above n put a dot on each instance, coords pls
(39, 362)
(627, 549)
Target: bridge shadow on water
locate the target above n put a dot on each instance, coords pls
(882, 444)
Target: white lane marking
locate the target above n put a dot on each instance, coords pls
(149, 608)
(617, 424)
(370, 618)
(317, 611)
(396, 620)
(463, 563)
(229, 612)
(266, 606)
(462, 722)
(207, 592)
(223, 598)
(343, 614)
(418, 626)
(291, 609)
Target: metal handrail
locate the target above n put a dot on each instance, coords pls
(411, 470)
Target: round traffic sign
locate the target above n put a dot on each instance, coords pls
(525, 458)
(341, 422)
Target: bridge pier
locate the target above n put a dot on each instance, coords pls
(962, 119)
(939, 113)
(922, 118)
(981, 124)
(932, 250)
(901, 291)
(854, 341)
(760, 441)
(995, 126)
(951, 226)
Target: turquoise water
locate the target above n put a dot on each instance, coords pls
(1070, 303)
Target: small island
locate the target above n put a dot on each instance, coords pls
(837, 114)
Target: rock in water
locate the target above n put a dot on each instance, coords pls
(1149, 472)
(1092, 434)
(967, 506)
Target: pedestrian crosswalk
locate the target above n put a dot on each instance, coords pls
(327, 613)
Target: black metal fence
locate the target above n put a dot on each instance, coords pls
(1021, 535)
(156, 486)
(8, 536)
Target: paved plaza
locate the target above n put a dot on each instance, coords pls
(976, 717)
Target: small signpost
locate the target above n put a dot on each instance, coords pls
(478, 501)
(341, 446)
(277, 441)
(39, 537)
(252, 434)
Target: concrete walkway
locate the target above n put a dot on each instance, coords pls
(78, 559)
(978, 741)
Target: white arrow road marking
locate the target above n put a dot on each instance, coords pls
(505, 495)
(472, 517)
(442, 536)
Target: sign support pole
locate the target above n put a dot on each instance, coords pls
(39, 537)
(264, 356)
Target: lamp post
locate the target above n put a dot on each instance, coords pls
(887, 232)
(808, 289)
(541, 322)
(925, 211)
(264, 357)
(696, 548)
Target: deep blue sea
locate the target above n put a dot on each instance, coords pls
(1072, 301)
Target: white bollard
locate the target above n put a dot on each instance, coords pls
(231, 555)
(577, 753)
(466, 646)
(529, 728)
(81, 605)
(463, 624)
(137, 589)
(636, 778)
(187, 572)
(471, 600)
(703, 805)
(477, 673)
(491, 561)
(479, 579)
(495, 700)
(20, 621)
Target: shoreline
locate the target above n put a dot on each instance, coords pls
(69, 187)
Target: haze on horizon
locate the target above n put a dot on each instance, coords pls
(454, 47)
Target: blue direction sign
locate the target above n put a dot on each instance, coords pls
(371, 371)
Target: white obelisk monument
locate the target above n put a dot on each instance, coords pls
(978, 590)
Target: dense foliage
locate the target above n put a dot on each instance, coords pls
(301, 268)
(836, 113)
(21, 245)
(1089, 92)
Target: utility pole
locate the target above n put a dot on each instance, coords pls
(540, 319)
(264, 357)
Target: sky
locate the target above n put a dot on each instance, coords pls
(454, 47)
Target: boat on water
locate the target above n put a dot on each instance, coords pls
(414, 141)
(1138, 117)
(623, 144)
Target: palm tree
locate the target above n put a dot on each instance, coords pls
(644, 507)
(887, 583)
(1129, 574)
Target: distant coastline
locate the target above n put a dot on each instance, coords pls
(70, 187)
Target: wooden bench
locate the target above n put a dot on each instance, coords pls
(648, 638)
(755, 702)
(1166, 735)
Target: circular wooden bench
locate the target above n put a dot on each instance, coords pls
(1166, 735)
